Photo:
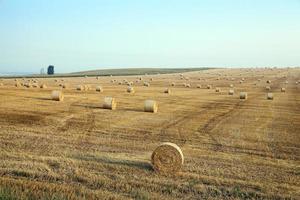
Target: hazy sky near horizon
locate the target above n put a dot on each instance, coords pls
(75, 35)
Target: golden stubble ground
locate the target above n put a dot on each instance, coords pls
(75, 149)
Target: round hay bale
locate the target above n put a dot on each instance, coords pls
(286, 82)
(17, 84)
(241, 81)
(146, 84)
(270, 96)
(208, 86)
(268, 81)
(199, 86)
(43, 86)
(150, 106)
(167, 158)
(130, 89)
(167, 91)
(283, 89)
(218, 90)
(109, 103)
(99, 88)
(173, 84)
(80, 87)
(231, 85)
(243, 95)
(188, 85)
(268, 88)
(57, 95)
(65, 86)
(231, 92)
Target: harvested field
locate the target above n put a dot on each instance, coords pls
(75, 149)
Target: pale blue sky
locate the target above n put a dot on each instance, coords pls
(76, 35)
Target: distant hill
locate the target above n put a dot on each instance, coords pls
(134, 71)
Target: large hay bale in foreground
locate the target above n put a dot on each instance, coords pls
(167, 158)
(231, 92)
(99, 88)
(283, 89)
(130, 89)
(109, 103)
(270, 96)
(150, 106)
(243, 95)
(57, 95)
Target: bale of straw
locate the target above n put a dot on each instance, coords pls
(218, 89)
(57, 95)
(173, 84)
(243, 95)
(17, 84)
(65, 86)
(199, 86)
(146, 84)
(283, 89)
(109, 103)
(231, 92)
(268, 81)
(150, 106)
(241, 81)
(188, 85)
(167, 91)
(286, 82)
(167, 158)
(80, 87)
(130, 89)
(231, 85)
(208, 86)
(270, 96)
(43, 86)
(99, 88)
(268, 88)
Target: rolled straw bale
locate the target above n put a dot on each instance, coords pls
(243, 95)
(231, 85)
(268, 88)
(57, 95)
(231, 92)
(130, 89)
(65, 86)
(80, 87)
(173, 84)
(241, 81)
(286, 82)
(99, 88)
(17, 84)
(199, 86)
(218, 89)
(167, 158)
(283, 89)
(270, 96)
(150, 106)
(167, 91)
(268, 81)
(188, 85)
(43, 86)
(208, 86)
(109, 103)
(146, 84)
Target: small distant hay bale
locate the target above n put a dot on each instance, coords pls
(35, 85)
(130, 89)
(60, 85)
(268, 81)
(167, 91)
(57, 95)
(208, 86)
(231, 85)
(268, 88)
(241, 81)
(243, 95)
(173, 84)
(43, 86)
(286, 82)
(231, 92)
(55, 80)
(297, 82)
(218, 89)
(270, 96)
(109, 103)
(80, 87)
(119, 83)
(150, 106)
(199, 86)
(28, 85)
(188, 85)
(151, 79)
(17, 84)
(146, 84)
(167, 158)
(283, 89)
(99, 88)
(65, 86)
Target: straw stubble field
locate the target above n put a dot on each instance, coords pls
(75, 149)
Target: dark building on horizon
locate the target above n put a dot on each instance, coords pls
(50, 70)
